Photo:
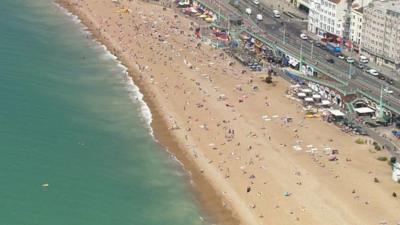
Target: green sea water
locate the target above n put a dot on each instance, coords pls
(69, 118)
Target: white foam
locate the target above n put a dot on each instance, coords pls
(108, 56)
(137, 97)
(74, 18)
(133, 90)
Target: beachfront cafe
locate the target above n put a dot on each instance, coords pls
(336, 115)
(365, 111)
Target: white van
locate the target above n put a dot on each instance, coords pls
(276, 13)
(363, 59)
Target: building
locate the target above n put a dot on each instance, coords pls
(380, 39)
(303, 5)
(327, 18)
(356, 21)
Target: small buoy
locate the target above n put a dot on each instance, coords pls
(45, 185)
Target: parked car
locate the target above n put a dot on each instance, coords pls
(276, 13)
(248, 11)
(256, 2)
(330, 60)
(373, 72)
(259, 17)
(359, 66)
(350, 60)
(381, 77)
(387, 90)
(303, 36)
(363, 59)
(390, 81)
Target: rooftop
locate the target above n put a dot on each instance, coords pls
(388, 6)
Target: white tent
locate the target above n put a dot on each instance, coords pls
(301, 95)
(295, 86)
(336, 112)
(306, 90)
(316, 96)
(308, 99)
(325, 102)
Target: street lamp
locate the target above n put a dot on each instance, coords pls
(349, 73)
(301, 54)
(284, 32)
(312, 49)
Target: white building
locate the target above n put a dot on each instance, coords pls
(327, 17)
(381, 33)
(356, 22)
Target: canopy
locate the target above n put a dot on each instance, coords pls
(301, 94)
(363, 110)
(308, 99)
(336, 112)
(316, 96)
(306, 90)
(325, 102)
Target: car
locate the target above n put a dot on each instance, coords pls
(248, 11)
(340, 56)
(330, 60)
(387, 90)
(373, 72)
(350, 60)
(390, 81)
(359, 66)
(303, 36)
(276, 13)
(256, 2)
(381, 77)
(259, 17)
(363, 59)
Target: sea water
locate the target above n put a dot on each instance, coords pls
(75, 143)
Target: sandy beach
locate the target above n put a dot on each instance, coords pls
(228, 127)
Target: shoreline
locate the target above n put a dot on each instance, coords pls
(202, 189)
(255, 175)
